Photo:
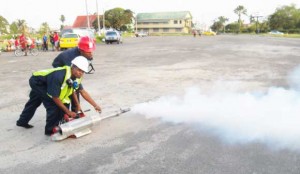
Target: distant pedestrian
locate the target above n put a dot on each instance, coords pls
(194, 33)
(56, 41)
(17, 43)
(51, 40)
(45, 42)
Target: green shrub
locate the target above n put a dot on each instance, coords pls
(99, 38)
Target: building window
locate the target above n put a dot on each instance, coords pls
(155, 29)
(175, 21)
(180, 21)
(166, 30)
(178, 30)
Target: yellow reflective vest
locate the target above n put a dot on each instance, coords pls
(65, 89)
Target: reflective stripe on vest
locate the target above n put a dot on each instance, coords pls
(65, 90)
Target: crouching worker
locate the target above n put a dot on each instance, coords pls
(53, 87)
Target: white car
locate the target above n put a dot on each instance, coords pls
(276, 32)
(141, 34)
(113, 36)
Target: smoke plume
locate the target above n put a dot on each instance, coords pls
(272, 117)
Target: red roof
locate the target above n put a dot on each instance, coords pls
(81, 21)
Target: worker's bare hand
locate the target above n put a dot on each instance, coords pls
(71, 114)
(78, 109)
(97, 108)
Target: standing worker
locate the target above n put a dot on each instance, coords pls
(85, 48)
(53, 87)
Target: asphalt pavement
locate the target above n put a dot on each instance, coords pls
(142, 70)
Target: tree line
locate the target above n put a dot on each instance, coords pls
(285, 18)
(117, 18)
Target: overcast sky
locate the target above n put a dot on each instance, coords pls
(35, 12)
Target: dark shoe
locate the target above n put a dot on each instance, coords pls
(48, 133)
(27, 126)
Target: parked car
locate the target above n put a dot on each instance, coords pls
(141, 34)
(69, 40)
(209, 33)
(113, 36)
(80, 31)
(276, 32)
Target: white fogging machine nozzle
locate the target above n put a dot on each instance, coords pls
(81, 126)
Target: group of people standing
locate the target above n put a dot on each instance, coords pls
(53, 39)
(60, 87)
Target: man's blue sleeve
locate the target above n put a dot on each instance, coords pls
(58, 61)
(54, 81)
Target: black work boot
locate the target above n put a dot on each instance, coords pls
(26, 125)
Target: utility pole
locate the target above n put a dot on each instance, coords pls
(98, 18)
(87, 15)
(104, 20)
(136, 25)
(256, 23)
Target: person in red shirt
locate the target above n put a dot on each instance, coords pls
(17, 42)
(56, 41)
(23, 42)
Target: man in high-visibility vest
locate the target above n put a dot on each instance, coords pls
(86, 47)
(54, 87)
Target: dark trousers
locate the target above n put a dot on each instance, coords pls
(38, 95)
(45, 46)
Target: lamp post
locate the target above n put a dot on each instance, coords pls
(136, 25)
(98, 18)
(104, 20)
(87, 15)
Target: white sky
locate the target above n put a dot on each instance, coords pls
(35, 12)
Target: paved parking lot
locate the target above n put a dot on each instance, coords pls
(141, 70)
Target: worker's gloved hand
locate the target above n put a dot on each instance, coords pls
(71, 114)
(97, 108)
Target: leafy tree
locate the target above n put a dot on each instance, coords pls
(14, 28)
(285, 18)
(118, 18)
(21, 24)
(264, 26)
(219, 25)
(240, 10)
(44, 28)
(3, 25)
(223, 20)
(95, 23)
(232, 27)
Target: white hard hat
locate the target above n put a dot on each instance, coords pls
(82, 63)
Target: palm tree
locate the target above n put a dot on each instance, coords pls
(239, 11)
(222, 20)
(44, 28)
(21, 24)
(62, 19)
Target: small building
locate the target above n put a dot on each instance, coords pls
(164, 22)
(82, 21)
